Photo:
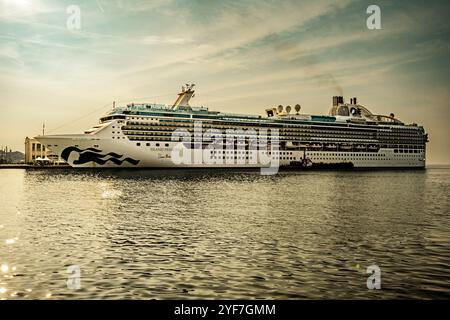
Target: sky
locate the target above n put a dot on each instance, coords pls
(244, 56)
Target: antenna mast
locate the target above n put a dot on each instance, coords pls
(187, 92)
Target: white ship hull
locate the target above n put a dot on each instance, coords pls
(109, 153)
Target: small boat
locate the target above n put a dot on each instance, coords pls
(315, 146)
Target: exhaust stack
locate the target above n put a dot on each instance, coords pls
(338, 100)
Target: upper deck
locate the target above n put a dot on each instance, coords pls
(341, 114)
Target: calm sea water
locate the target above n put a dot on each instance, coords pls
(192, 234)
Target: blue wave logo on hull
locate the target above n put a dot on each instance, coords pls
(94, 155)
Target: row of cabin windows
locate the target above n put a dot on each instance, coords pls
(407, 156)
(137, 118)
(359, 156)
(230, 157)
(238, 152)
(345, 159)
(349, 154)
(406, 151)
(237, 157)
(366, 157)
(148, 144)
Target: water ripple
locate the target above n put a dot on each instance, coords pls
(229, 235)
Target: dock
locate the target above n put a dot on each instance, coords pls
(30, 166)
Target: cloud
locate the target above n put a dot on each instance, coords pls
(156, 40)
(9, 51)
(234, 27)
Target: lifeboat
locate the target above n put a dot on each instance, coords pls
(331, 146)
(345, 146)
(290, 144)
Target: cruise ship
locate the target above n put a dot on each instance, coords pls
(157, 136)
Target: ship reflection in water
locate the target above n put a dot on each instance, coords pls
(231, 235)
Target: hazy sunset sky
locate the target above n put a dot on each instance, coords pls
(244, 56)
